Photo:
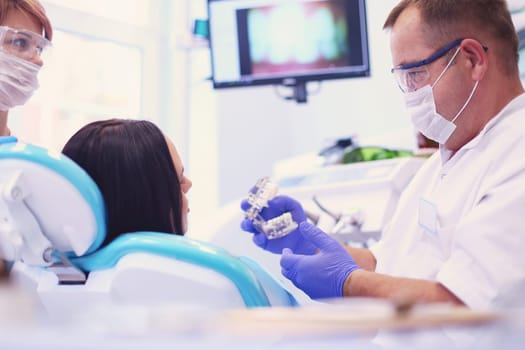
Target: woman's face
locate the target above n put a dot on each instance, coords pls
(17, 19)
(185, 183)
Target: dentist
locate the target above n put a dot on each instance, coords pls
(25, 32)
(457, 234)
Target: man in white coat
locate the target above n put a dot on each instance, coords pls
(458, 233)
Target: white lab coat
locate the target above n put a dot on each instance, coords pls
(461, 221)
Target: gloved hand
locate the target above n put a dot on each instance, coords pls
(294, 240)
(321, 275)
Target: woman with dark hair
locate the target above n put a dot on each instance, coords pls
(139, 173)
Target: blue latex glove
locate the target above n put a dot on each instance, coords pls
(294, 240)
(322, 275)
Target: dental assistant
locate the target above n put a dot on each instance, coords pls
(458, 232)
(25, 32)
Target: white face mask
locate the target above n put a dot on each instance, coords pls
(426, 119)
(18, 80)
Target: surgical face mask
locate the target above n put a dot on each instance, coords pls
(18, 80)
(422, 108)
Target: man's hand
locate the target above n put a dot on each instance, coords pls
(294, 240)
(322, 275)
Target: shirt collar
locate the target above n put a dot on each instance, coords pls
(516, 104)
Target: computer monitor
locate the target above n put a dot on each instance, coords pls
(286, 42)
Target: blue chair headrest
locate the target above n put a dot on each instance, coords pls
(60, 194)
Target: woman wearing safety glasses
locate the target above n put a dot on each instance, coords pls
(25, 32)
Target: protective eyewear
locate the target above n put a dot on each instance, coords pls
(412, 76)
(22, 43)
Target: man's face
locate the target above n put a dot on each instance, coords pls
(409, 44)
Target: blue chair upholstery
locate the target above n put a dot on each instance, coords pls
(246, 274)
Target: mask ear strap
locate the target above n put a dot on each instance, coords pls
(448, 65)
(467, 102)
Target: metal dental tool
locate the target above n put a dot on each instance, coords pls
(348, 224)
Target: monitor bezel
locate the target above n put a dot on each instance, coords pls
(292, 79)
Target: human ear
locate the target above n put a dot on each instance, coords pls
(477, 58)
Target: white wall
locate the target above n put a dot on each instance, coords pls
(239, 133)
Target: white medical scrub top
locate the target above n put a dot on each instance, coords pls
(461, 221)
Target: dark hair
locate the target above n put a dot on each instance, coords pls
(131, 164)
(446, 20)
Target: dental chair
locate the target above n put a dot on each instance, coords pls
(52, 223)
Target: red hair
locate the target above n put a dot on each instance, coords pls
(31, 7)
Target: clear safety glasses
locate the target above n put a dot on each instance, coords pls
(22, 43)
(412, 76)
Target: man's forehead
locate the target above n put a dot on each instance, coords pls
(408, 42)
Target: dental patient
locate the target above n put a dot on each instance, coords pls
(139, 173)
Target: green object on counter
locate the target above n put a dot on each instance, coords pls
(365, 154)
